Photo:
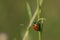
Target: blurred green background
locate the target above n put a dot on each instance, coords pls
(14, 19)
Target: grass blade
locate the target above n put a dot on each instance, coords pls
(29, 10)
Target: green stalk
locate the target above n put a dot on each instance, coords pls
(40, 32)
(38, 4)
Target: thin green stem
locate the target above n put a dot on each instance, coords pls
(40, 36)
(38, 5)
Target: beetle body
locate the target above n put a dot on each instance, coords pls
(36, 26)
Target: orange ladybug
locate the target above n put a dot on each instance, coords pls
(36, 26)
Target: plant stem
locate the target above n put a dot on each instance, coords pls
(40, 32)
(38, 5)
(40, 36)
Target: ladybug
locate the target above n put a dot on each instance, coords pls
(36, 26)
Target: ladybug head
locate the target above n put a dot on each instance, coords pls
(35, 22)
